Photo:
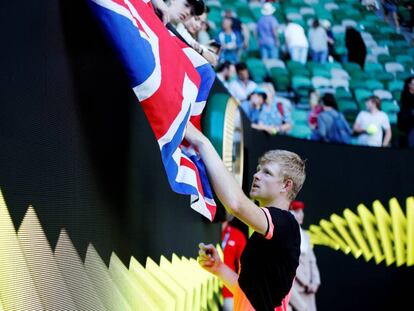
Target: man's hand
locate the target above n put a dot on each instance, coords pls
(193, 135)
(209, 259)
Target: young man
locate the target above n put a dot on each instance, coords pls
(271, 256)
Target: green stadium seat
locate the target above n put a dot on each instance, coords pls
(342, 93)
(389, 106)
(361, 95)
(347, 105)
(300, 116)
(257, 69)
(395, 86)
(351, 67)
(384, 59)
(373, 84)
(373, 67)
(300, 131)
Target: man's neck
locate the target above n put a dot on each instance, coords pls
(281, 202)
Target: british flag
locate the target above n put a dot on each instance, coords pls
(171, 82)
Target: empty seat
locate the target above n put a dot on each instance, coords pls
(338, 73)
(320, 82)
(336, 83)
(272, 63)
(383, 94)
(393, 67)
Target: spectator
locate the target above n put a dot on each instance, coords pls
(406, 114)
(228, 41)
(242, 87)
(226, 72)
(307, 278)
(233, 242)
(332, 126)
(357, 51)
(188, 30)
(318, 40)
(370, 124)
(316, 108)
(178, 10)
(203, 36)
(274, 117)
(239, 29)
(254, 105)
(331, 39)
(267, 32)
(296, 42)
(390, 8)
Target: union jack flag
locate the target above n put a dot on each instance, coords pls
(171, 82)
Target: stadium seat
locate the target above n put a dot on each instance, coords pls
(340, 83)
(319, 82)
(373, 84)
(301, 131)
(383, 94)
(395, 86)
(393, 67)
(300, 116)
(389, 106)
(257, 69)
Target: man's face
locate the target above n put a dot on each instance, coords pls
(267, 182)
(180, 10)
(369, 105)
(195, 23)
(257, 100)
(243, 75)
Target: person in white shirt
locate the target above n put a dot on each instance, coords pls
(318, 40)
(243, 86)
(307, 279)
(296, 42)
(371, 124)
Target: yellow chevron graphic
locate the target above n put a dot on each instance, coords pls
(379, 234)
(33, 276)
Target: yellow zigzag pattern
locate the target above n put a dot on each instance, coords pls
(379, 235)
(34, 277)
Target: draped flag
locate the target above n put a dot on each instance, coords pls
(171, 82)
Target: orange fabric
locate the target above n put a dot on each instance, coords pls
(242, 303)
(235, 243)
(269, 234)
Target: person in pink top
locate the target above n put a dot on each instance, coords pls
(269, 261)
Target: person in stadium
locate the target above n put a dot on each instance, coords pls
(406, 114)
(371, 124)
(307, 280)
(243, 86)
(233, 242)
(271, 256)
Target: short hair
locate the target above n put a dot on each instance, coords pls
(291, 167)
(315, 23)
(328, 100)
(376, 100)
(223, 66)
(240, 67)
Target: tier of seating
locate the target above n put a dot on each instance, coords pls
(390, 59)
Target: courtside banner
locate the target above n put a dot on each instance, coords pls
(171, 82)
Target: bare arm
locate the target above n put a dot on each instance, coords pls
(358, 129)
(387, 137)
(209, 259)
(224, 184)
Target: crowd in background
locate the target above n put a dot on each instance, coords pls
(270, 111)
